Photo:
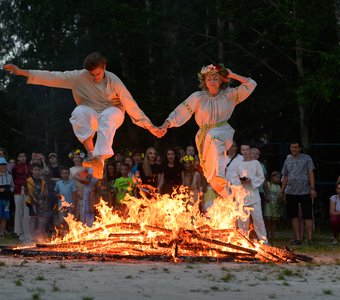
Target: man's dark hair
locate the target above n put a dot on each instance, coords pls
(4, 151)
(296, 142)
(20, 152)
(94, 60)
(244, 143)
(64, 168)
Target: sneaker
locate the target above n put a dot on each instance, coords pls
(87, 162)
(98, 167)
(334, 242)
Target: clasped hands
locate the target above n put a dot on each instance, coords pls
(159, 131)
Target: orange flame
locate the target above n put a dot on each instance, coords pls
(174, 213)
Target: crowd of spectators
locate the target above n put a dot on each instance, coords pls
(37, 193)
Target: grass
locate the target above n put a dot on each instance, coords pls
(283, 273)
(55, 288)
(227, 277)
(327, 292)
(18, 282)
(40, 277)
(36, 296)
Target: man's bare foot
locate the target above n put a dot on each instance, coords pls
(87, 162)
(221, 181)
(98, 167)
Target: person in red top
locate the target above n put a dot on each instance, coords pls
(20, 172)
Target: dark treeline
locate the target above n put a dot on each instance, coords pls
(289, 47)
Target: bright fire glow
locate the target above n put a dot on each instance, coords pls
(166, 227)
(161, 220)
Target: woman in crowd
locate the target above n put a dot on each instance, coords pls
(334, 212)
(190, 177)
(171, 171)
(148, 172)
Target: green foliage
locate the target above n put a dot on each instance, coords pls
(157, 47)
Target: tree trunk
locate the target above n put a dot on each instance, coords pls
(220, 35)
(304, 122)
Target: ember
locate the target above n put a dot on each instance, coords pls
(164, 227)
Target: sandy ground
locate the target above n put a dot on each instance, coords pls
(31, 278)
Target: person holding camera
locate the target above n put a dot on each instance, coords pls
(39, 159)
(249, 174)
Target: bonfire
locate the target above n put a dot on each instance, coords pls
(165, 227)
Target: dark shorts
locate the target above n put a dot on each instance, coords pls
(4, 209)
(293, 202)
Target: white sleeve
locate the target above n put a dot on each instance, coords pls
(258, 178)
(243, 91)
(184, 111)
(53, 78)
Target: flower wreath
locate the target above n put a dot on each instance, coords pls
(188, 158)
(214, 69)
(128, 152)
(76, 151)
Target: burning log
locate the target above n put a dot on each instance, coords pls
(160, 230)
(188, 244)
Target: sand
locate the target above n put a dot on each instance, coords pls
(32, 278)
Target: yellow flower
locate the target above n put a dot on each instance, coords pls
(188, 158)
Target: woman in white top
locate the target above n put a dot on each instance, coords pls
(334, 212)
(212, 107)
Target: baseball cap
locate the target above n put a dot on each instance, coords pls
(3, 161)
(52, 154)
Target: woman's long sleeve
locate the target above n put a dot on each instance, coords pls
(183, 112)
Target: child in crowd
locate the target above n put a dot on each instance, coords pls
(334, 211)
(129, 161)
(88, 211)
(20, 172)
(273, 205)
(79, 176)
(36, 203)
(123, 185)
(66, 191)
(249, 174)
(6, 189)
(102, 190)
(190, 177)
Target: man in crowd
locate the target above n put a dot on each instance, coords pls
(298, 184)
